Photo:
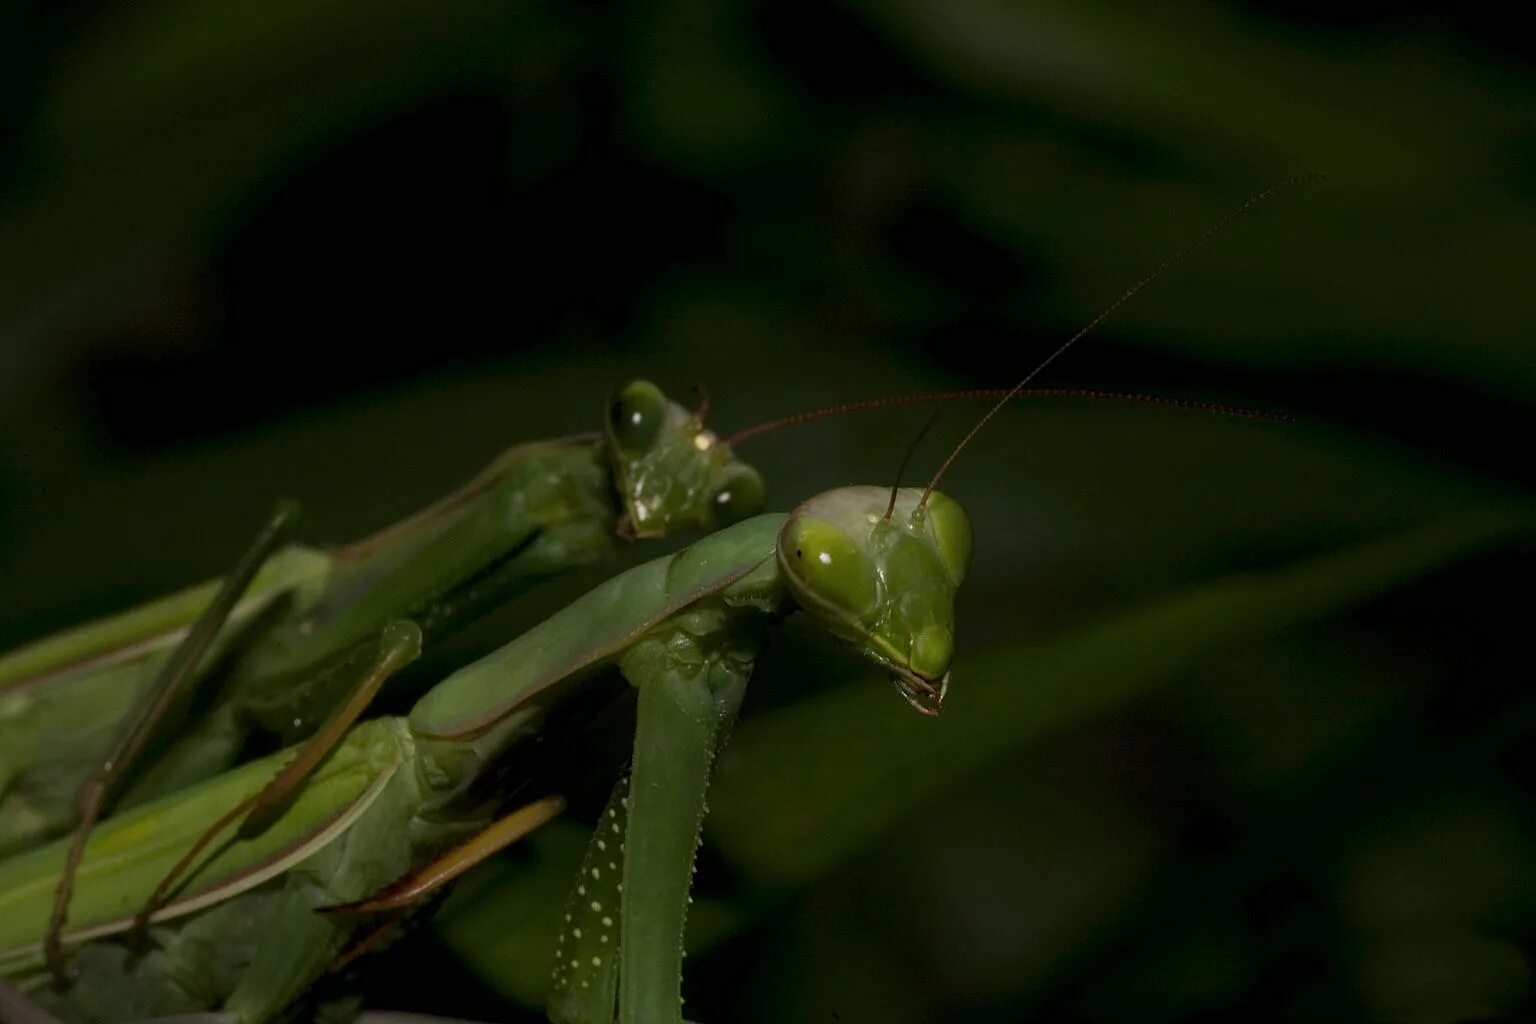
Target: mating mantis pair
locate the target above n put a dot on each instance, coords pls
(876, 568)
(300, 627)
(685, 630)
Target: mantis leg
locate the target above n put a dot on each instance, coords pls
(586, 976)
(399, 645)
(688, 696)
(424, 881)
(396, 899)
(182, 665)
(674, 748)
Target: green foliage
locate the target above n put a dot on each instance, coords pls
(1237, 711)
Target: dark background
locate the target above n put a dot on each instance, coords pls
(348, 251)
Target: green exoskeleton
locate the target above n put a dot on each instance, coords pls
(245, 924)
(294, 632)
(240, 932)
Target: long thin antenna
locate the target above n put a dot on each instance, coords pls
(1125, 296)
(961, 394)
(905, 459)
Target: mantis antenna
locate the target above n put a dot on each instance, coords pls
(905, 459)
(918, 398)
(1125, 296)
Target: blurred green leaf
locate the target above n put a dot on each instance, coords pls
(802, 787)
(1441, 976)
(1407, 254)
(163, 116)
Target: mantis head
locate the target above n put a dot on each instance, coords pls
(672, 473)
(885, 583)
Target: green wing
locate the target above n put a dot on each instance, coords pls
(128, 855)
(150, 628)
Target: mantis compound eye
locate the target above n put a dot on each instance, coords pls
(636, 415)
(827, 568)
(951, 529)
(741, 495)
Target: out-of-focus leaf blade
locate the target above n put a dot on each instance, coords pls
(1408, 249)
(169, 113)
(805, 786)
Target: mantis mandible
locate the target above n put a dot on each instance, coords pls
(878, 569)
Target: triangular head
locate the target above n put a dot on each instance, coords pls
(670, 472)
(885, 583)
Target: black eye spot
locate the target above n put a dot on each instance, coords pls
(799, 553)
(635, 416)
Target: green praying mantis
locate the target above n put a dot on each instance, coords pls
(399, 806)
(297, 627)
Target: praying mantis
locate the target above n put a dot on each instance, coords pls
(291, 633)
(390, 805)
(299, 627)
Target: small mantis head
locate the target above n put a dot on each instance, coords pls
(884, 583)
(672, 473)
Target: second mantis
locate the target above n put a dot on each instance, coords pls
(294, 630)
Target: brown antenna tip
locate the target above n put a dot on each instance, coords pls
(933, 418)
(1088, 328)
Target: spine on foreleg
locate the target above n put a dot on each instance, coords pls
(586, 973)
(691, 681)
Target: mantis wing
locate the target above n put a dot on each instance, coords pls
(128, 855)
